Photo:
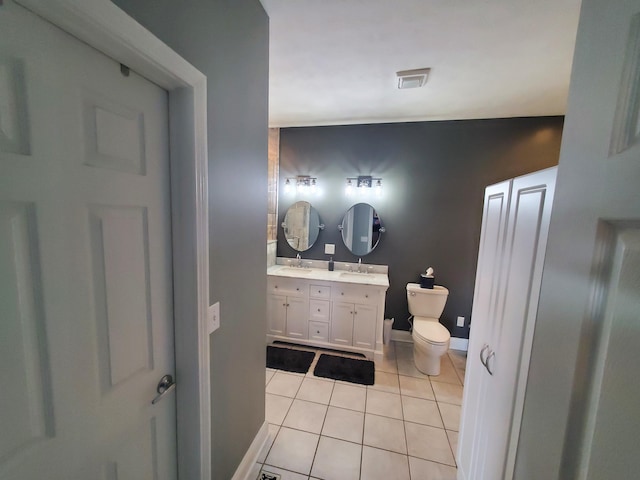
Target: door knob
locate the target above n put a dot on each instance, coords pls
(165, 385)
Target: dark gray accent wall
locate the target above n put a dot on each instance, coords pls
(434, 175)
(228, 41)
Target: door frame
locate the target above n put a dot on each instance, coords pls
(108, 29)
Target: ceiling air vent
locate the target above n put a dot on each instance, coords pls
(413, 78)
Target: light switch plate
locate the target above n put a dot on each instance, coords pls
(214, 317)
(329, 248)
(460, 322)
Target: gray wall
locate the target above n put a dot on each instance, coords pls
(434, 175)
(228, 42)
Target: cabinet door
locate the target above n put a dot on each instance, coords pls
(485, 303)
(512, 336)
(342, 323)
(277, 314)
(364, 326)
(504, 309)
(297, 322)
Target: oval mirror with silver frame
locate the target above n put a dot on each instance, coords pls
(301, 226)
(361, 229)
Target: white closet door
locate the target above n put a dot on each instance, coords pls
(86, 329)
(494, 221)
(512, 245)
(512, 336)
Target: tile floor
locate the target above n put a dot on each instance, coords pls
(405, 427)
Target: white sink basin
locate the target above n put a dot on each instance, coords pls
(299, 271)
(354, 275)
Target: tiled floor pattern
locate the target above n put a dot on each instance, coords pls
(405, 427)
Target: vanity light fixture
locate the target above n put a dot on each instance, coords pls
(363, 184)
(303, 183)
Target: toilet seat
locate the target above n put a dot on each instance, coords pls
(431, 331)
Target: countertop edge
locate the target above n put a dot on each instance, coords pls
(369, 279)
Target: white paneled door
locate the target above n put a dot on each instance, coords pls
(515, 224)
(86, 327)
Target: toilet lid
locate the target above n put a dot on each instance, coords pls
(431, 331)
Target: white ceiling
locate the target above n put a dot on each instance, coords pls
(334, 61)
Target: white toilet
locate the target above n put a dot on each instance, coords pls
(430, 337)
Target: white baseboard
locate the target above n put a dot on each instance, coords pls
(461, 344)
(456, 342)
(401, 336)
(245, 469)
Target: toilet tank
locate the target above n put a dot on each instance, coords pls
(426, 302)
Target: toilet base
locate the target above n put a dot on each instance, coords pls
(428, 366)
(427, 358)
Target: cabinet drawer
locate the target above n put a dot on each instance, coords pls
(356, 294)
(319, 331)
(286, 286)
(319, 291)
(319, 310)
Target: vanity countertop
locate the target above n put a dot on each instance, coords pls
(344, 276)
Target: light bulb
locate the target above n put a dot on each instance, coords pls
(349, 189)
(378, 188)
(287, 186)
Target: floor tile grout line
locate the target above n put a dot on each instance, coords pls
(364, 420)
(362, 445)
(283, 419)
(404, 428)
(326, 412)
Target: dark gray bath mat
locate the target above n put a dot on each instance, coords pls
(345, 369)
(288, 359)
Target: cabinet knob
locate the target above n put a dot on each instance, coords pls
(366, 296)
(298, 289)
(319, 291)
(318, 309)
(275, 286)
(341, 293)
(356, 312)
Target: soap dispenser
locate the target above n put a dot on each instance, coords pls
(331, 264)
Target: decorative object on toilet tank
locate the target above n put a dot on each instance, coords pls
(426, 279)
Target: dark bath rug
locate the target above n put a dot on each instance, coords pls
(288, 359)
(345, 369)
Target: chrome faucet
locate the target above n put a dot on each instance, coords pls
(299, 258)
(360, 266)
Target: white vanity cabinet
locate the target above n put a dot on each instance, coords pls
(287, 309)
(318, 308)
(354, 315)
(342, 324)
(319, 312)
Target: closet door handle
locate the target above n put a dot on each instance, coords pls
(486, 363)
(482, 360)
